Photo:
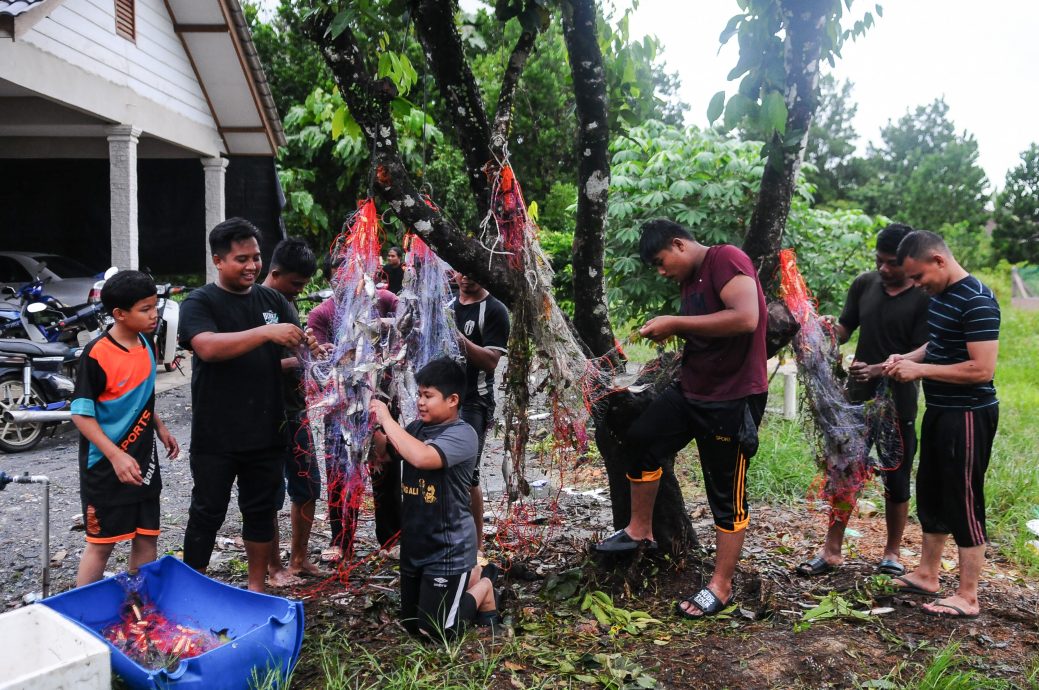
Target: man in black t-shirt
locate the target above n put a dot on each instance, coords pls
(237, 330)
(483, 328)
(890, 314)
(957, 365)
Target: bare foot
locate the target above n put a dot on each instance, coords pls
(911, 582)
(283, 578)
(306, 568)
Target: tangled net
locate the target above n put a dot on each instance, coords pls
(544, 359)
(340, 388)
(372, 356)
(844, 431)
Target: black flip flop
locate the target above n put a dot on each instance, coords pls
(815, 567)
(705, 600)
(890, 567)
(960, 613)
(621, 542)
(911, 588)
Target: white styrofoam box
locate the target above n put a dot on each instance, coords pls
(41, 650)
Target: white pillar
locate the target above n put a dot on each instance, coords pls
(122, 166)
(214, 172)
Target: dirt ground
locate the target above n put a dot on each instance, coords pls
(554, 643)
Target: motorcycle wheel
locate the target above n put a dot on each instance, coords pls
(16, 438)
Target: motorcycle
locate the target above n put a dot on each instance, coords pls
(167, 354)
(34, 394)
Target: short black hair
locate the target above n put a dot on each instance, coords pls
(919, 244)
(657, 235)
(890, 236)
(396, 250)
(293, 255)
(125, 289)
(232, 230)
(444, 374)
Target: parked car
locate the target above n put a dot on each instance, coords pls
(69, 280)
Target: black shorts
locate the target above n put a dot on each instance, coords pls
(437, 606)
(955, 446)
(260, 479)
(726, 435)
(111, 524)
(479, 415)
(302, 471)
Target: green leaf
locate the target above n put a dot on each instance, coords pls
(339, 24)
(773, 113)
(716, 107)
(339, 122)
(737, 107)
(730, 29)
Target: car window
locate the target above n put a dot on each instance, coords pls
(64, 267)
(12, 272)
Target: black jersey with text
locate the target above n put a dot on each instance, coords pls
(438, 536)
(485, 323)
(236, 404)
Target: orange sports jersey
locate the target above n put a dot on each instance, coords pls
(116, 387)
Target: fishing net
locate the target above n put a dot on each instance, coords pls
(843, 431)
(340, 387)
(545, 360)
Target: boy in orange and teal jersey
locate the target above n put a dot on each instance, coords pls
(114, 410)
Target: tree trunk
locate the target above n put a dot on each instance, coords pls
(592, 320)
(805, 20)
(438, 34)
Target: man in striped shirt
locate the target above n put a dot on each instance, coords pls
(957, 365)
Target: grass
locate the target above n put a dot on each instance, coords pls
(947, 670)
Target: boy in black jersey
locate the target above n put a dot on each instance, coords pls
(442, 587)
(957, 365)
(483, 334)
(114, 410)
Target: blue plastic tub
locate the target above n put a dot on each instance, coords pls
(266, 632)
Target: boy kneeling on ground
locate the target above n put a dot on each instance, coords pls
(441, 586)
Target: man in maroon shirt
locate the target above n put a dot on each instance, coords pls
(718, 400)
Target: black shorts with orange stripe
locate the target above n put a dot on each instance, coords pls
(726, 435)
(111, 524)
(955, 446)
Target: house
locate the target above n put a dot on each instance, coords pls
(129, 128)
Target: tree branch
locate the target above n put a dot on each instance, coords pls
(805, 21)
(507, 96)
(445, 56)
(592, 321)
(368, 100)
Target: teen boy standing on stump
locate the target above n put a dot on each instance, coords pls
(718, 400)
(237, 330)
(957, 365)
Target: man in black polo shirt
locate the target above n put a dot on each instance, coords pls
(957, 365)
(483, 326)
(236, 330)
(891, 315)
